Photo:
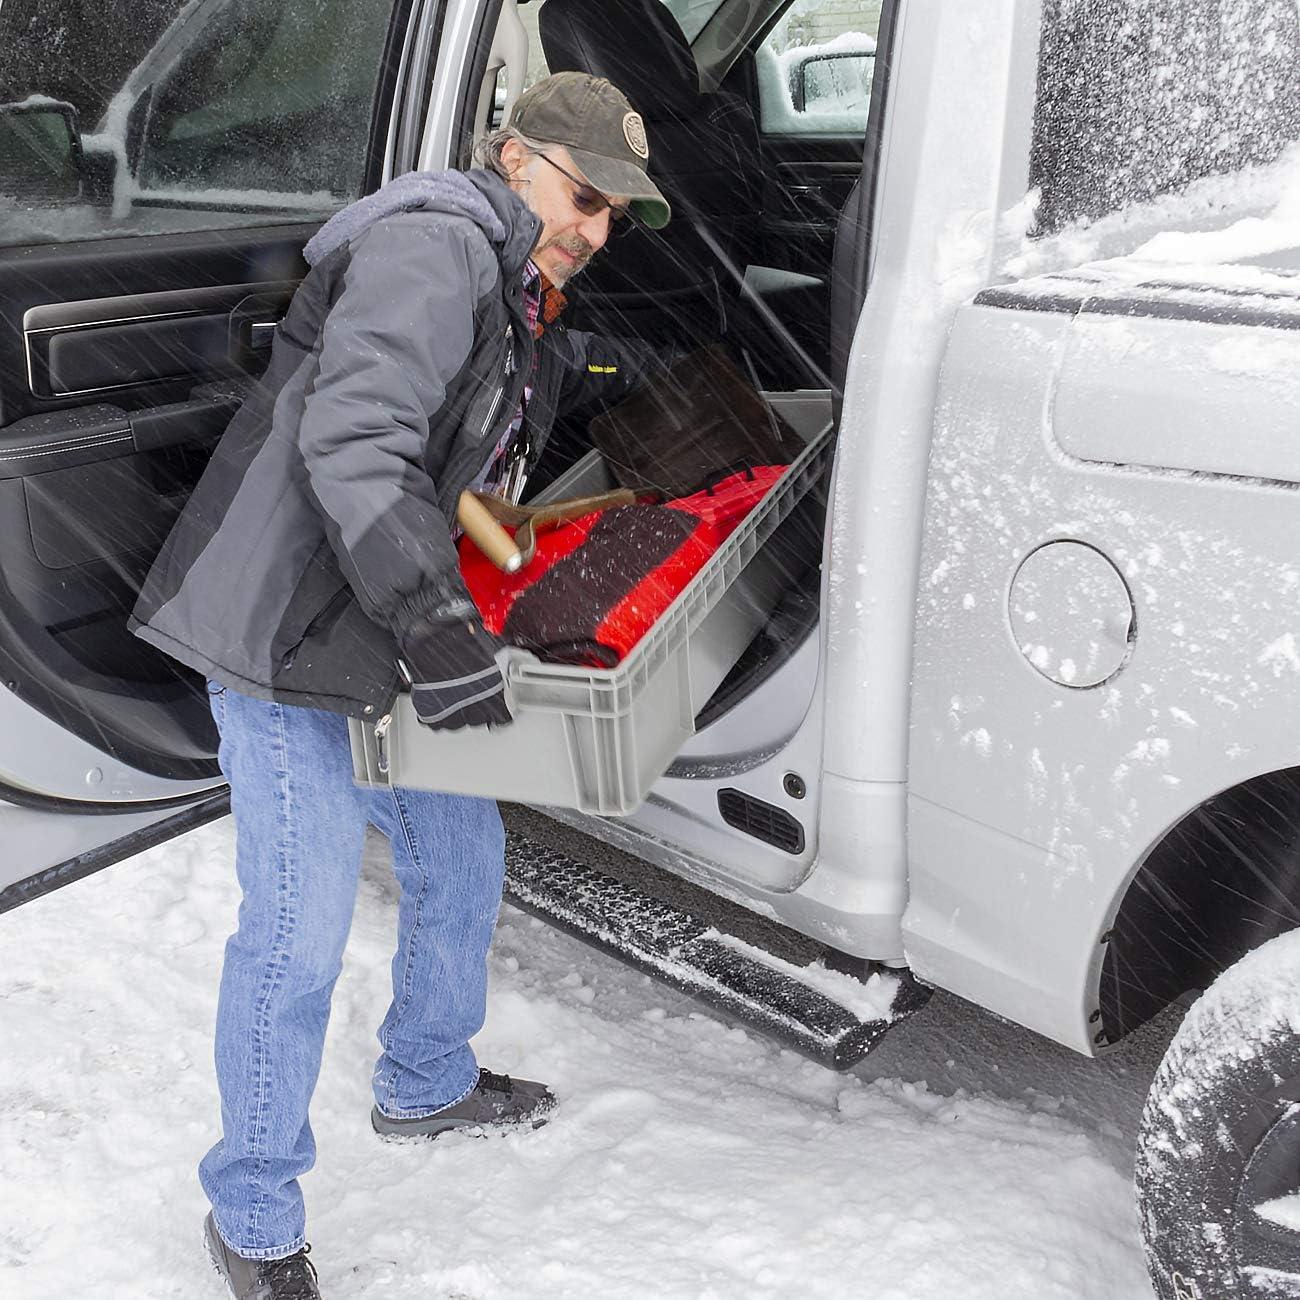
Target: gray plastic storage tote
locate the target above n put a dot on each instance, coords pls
(593, 739)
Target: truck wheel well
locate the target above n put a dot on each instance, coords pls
(1224, 880)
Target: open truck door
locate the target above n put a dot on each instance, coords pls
(158, 181)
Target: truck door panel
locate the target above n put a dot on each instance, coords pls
(138, 300)
(112, 405)
(807, 181)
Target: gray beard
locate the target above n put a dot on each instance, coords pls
(579, 248)
(560, 281)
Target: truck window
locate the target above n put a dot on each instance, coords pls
(815, 68)
(189, 115)
(692, 15)
(1135, 101)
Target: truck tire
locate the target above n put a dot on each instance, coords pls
(1220, 1137)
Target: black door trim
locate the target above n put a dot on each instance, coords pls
(53, 803)
(45, 323)
(105, 855)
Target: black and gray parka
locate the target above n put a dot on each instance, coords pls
(319, 531)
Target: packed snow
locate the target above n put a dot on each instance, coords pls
(869, 999)
(688, 1158)
(1284, 1211)
(37, 101)
(1252, 212)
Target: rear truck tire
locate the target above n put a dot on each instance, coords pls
(1220, 1138)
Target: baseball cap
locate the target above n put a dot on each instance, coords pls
(604, 135)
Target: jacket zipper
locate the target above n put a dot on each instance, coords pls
(469, 458)
(492, 411)
(508, 369)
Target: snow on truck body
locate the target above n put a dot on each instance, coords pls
(1105, 621)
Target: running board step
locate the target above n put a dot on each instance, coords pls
(835, 1019)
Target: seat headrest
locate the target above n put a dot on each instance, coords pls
(636, 44)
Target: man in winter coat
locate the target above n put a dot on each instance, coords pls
(315, 564)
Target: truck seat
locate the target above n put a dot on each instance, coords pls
(704, 155)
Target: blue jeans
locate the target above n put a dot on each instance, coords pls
(300, 823)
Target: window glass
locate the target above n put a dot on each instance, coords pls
(537, 69)
(1137, 100)
(189, 115)
(692, 15)
(815, 68)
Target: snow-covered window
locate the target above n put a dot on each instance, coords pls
(275, 95)
(193, 113)
(815, 68)
(1139, 98)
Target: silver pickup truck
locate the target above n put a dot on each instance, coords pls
(1000, 697)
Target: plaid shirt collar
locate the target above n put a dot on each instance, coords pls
(532, 293)
(543, 301)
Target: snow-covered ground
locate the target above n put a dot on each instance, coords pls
(688, 1159)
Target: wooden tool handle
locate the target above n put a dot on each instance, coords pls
(488, 535)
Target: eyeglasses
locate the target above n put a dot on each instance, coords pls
(586, 198)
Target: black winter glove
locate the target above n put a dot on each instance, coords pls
(455, 679)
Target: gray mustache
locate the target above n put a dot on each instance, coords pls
(574, 245)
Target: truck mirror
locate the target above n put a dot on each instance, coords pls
(40, 151)
(833, 81)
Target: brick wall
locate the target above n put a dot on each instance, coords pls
(814, 21)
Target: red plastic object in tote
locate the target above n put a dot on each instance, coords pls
(598, 584)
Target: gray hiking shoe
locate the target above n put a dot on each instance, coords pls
(291, 1278)
(497, 1101)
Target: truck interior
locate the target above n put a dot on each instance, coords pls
(123, 358)
(742, 263)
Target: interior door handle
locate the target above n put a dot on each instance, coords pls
(809, 201)
(261, 334)
(253, 323)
